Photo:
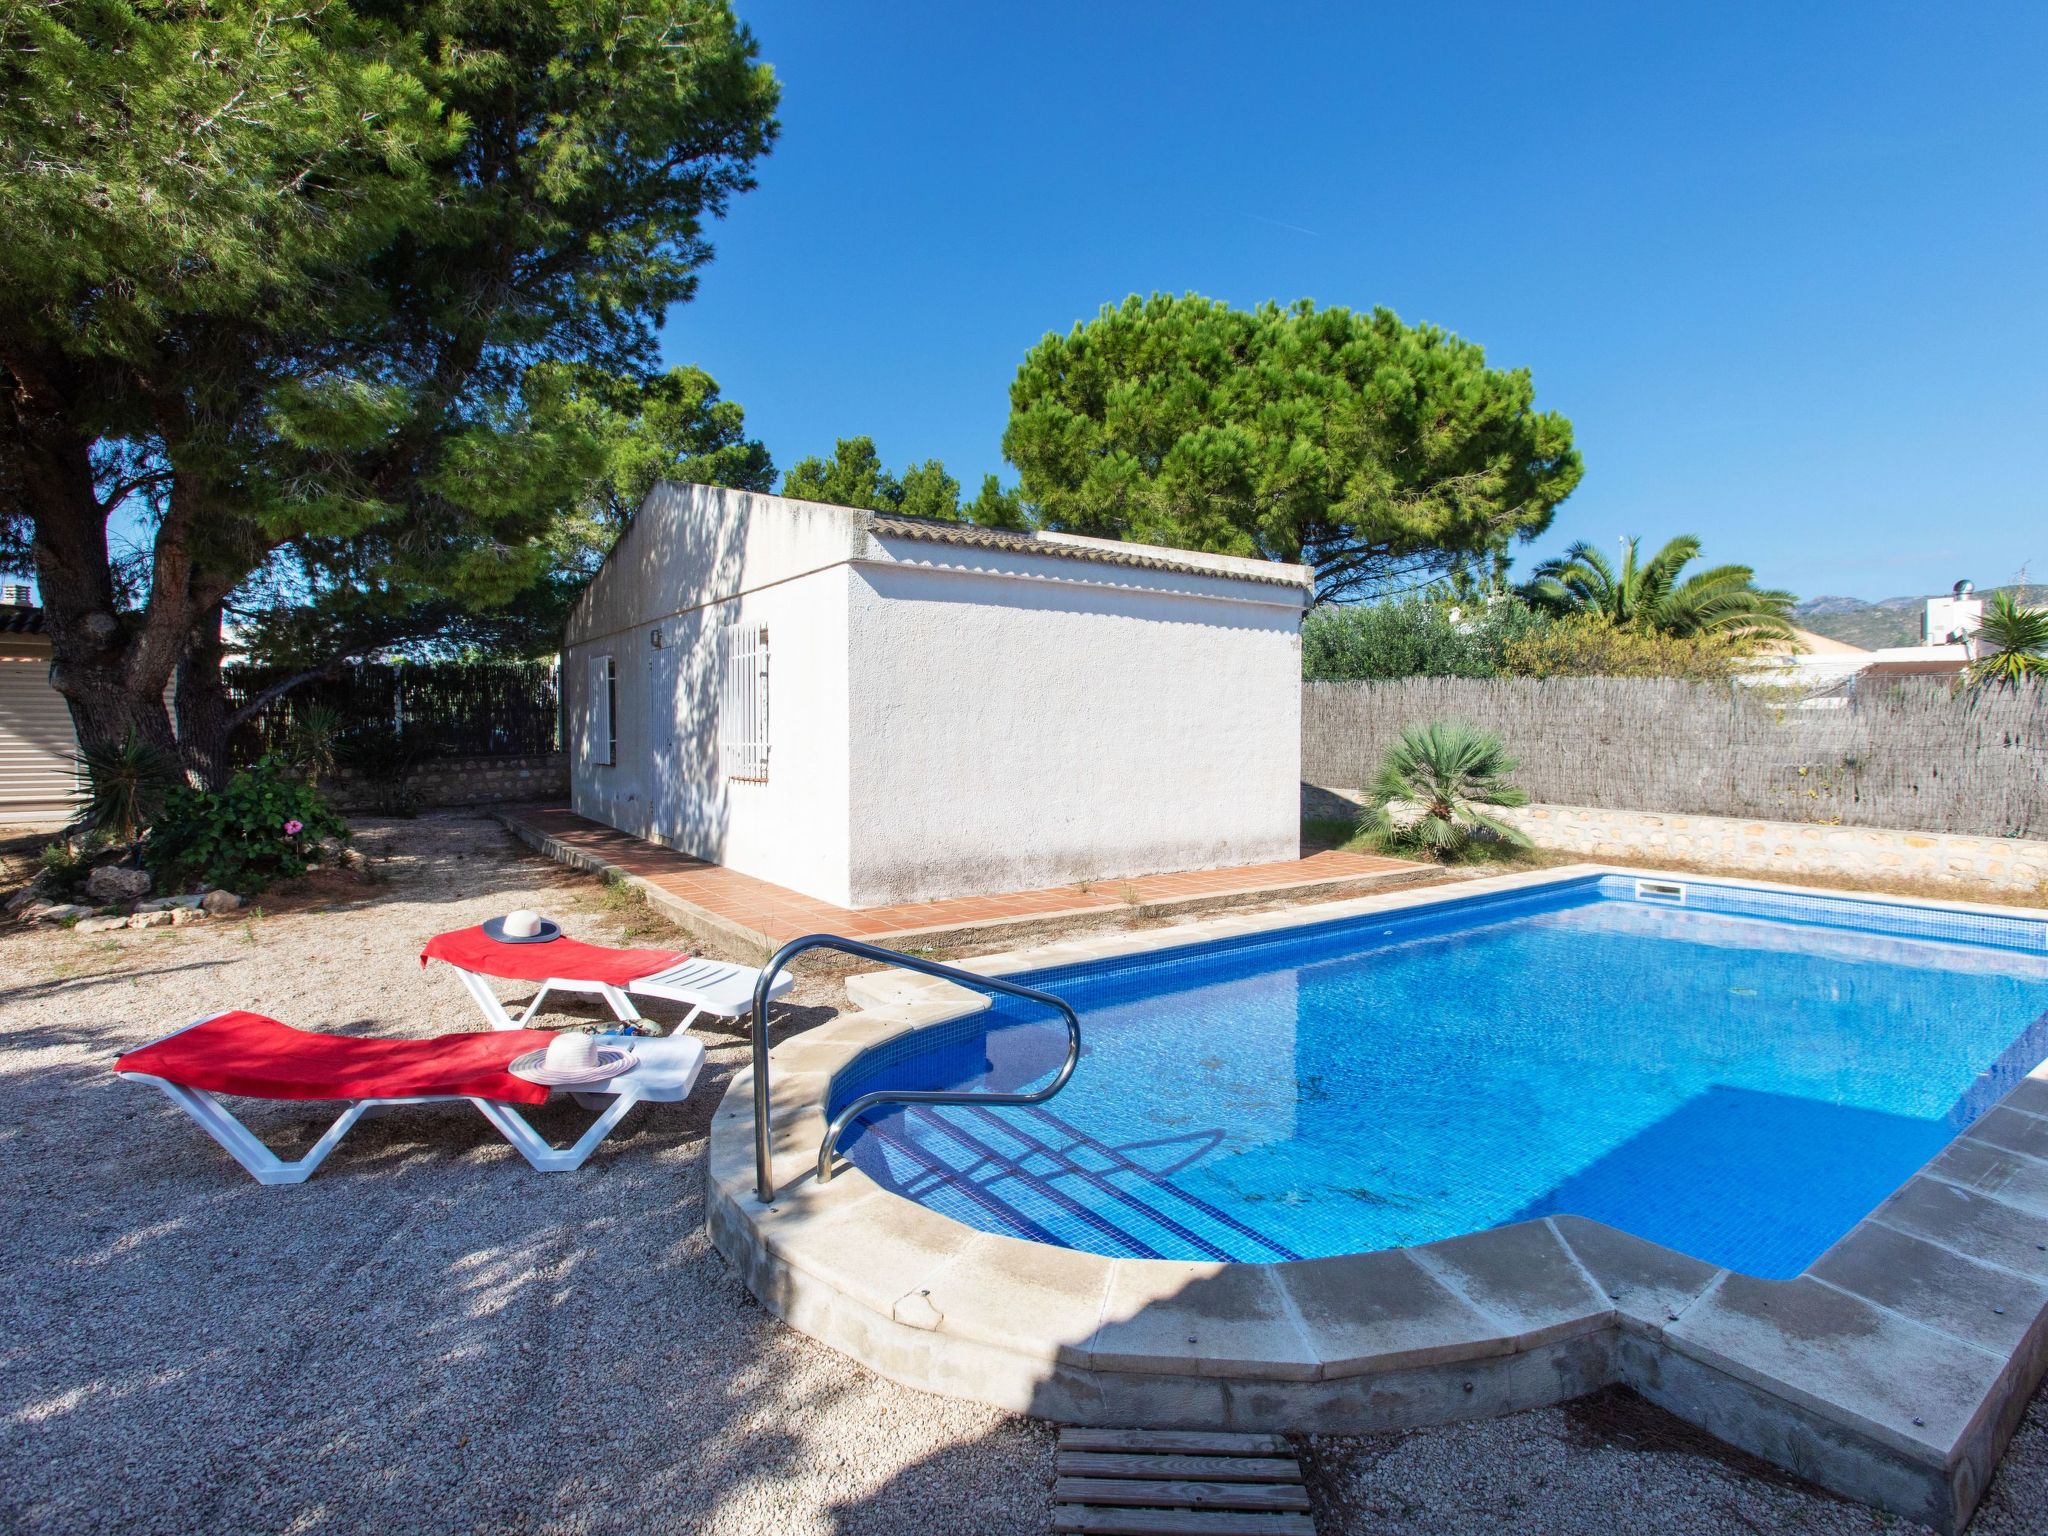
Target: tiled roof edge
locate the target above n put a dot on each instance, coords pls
(938, 531)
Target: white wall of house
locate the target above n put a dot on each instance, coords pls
(1026, 721)
(943, 718)
(696, 559)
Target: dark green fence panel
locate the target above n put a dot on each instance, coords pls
(426, 709)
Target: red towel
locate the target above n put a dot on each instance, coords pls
(259, 1058)
(471, 949)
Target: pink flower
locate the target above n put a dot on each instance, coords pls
(294, 828)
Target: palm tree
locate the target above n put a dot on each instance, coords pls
(1647, 594)
(2021, 635)
(1432, 785)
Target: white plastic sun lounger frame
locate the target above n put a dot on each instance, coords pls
(266, 1167)
(707, 986)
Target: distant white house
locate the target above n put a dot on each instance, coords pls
(1948, 644)
(874, 709)
(1807, 661)
(1948, 638)
(1952, 619)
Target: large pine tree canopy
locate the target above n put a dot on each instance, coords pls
(308, 277)
(1375, 451)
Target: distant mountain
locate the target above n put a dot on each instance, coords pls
(1890, 621)
(1813, 605)
(1872, 626)
(1853, 604)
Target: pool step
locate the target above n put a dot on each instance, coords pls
(1040, 1178)
(1166, 1482)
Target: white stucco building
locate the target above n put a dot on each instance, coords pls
(874, 709)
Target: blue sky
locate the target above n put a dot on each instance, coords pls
(1782, 266)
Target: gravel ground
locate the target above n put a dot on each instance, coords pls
(428, 1336)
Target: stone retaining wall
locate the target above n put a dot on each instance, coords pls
(1777, 847)
(466, 781)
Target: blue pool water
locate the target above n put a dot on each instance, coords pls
(1742, 1077)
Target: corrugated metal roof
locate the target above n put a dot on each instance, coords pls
(17, 619)
(1141, 556)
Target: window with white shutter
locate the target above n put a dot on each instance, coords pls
(743, 701)
(600, 714)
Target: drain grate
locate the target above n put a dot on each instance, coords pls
(1164, 1482)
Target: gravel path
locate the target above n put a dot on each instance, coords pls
(430, 1337)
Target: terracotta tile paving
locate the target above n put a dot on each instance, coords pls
(774, 914)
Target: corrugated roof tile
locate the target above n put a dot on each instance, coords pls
(939, 531)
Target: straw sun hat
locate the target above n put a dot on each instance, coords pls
(571, 1059)
(522, 927)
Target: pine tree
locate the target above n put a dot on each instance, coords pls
(1372, 450)
(295, 275)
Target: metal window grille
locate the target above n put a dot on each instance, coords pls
(743, 701)
(601, 733)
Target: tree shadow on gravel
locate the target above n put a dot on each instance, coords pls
(69, 984)
(431, 1337)
(426, 1336)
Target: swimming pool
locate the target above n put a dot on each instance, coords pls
(1738, 1074)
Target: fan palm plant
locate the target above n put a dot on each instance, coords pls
(1435, 786)
(1648, 594)
(2021, 637)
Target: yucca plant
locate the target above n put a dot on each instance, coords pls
(1435, 786)
(127, 786)
(2021, 637)
(314, 742)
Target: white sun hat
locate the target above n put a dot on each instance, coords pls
(524, 926)
(570, 1059)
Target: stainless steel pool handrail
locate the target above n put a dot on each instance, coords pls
(764, 1166)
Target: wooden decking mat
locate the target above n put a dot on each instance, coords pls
(1165, 1482)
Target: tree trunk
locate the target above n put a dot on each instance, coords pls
(113, 668)
(204, 719)
(90, 646)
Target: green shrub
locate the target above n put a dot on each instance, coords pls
(264, 827)
(61, 868)
(1410, 637)
(1592, 646)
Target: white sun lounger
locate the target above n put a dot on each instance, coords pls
(665, 1073)
(704, 986)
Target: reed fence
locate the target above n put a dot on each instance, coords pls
(1911, 754)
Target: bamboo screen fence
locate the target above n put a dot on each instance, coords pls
(1916, 755)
